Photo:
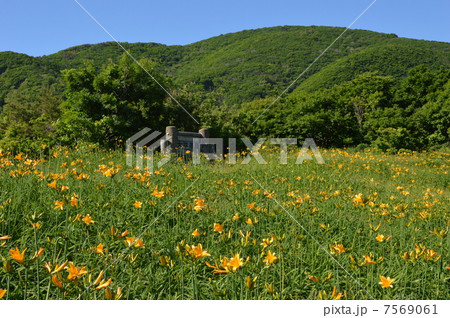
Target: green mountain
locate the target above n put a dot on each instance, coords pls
(248, 64)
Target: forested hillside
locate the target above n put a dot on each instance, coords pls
(95, 93)
(248, 64)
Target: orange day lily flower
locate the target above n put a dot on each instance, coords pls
(197, 251)
(2, 293)
(218, 227)
(386, 282)
(59, 205)
(57, 282)
(314, 279)
(158, 194)
(57, 268)
(99, 248)
(88, 219)
(74, 200)
(338, 248)
(129, 241)
(196, 233)
(335, 295)
(137, 204)
(270, 258)
(139, 243)
(17, 255)
(38, 253)
(125, 233)
(229, 265)
(199, 205)
(104, 284)
(75, 272)
(368, 260)
(53, 184)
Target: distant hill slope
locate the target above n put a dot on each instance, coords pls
(393, 59)
(248, 64)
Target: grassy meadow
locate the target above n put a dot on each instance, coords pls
(80, 224)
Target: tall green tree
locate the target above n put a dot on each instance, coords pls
(116, 101)
(28, 117)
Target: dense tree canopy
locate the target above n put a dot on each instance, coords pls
(370, 89)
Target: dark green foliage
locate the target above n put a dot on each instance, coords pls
(115, 102)
(390, 59)
(250, 64)
(413, 114)
(28, 117)
(369, 88)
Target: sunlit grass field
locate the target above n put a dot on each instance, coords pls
(80, 224)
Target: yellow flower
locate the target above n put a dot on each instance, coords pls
(196, 233)
(57, 282)
(75, 272)
(57, 269)
(36, 225)
(270, 258)
(99, 278)
(130, 240)
(267, 242)
(338, 248)
(249, 221)
(38, 253)
(74, 200)
(368, 260)
(99, 248)
(139, 243)
(158, 194)
(235, 262)
(59, 205)
(197, 251)
(2, 293)
(77, 218)
(431, 255)
(104, 284)
(250, 283)
(137, 204)
(382, 238)
(314, 279)
(359, 199)
(335, 295)
(88, 219)
(386, 282)
(199, 205)
(53, 185)
(218, 227)
(17, 255)
(125, 233)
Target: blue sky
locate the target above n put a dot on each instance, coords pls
(41, 27)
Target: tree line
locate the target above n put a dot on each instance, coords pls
(108, 104)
